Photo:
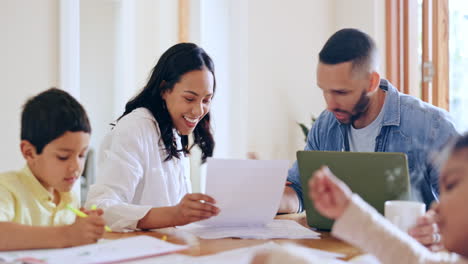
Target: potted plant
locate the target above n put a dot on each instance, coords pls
(305, 129)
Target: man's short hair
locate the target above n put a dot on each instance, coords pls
(350, 44)
(49, 115)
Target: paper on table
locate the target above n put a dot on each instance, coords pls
(245, 255)
(365, 259)
(235, 256)
(108, 252)
(275, 229)
(310, 253)
(247, 192)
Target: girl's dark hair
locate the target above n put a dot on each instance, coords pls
(175, 62)
(460, 143)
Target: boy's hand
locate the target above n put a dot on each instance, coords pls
(85, 230)
(91, 211)
(194, 207)
(330, 195)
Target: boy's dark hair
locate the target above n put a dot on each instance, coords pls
(175, 62)
(349, 44)
(49, 115)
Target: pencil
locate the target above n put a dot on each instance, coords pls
(81, 214)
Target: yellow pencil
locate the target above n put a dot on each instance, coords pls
(81, 214)
(76, 211)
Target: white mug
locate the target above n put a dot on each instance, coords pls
(404, 214)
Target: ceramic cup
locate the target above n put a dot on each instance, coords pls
(404, 214)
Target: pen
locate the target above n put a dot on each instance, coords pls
(81, 214)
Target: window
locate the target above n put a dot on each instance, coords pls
(458, 41)
(417, 51)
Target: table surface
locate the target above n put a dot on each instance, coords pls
(201, 247)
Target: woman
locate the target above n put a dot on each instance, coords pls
(361, 225)
(143, 170)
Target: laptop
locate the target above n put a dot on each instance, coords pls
(376, 176)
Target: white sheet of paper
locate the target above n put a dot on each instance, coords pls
(365, 259)
(245, 255)
(235, 256)
(107, 252)
(247, 192)
(275, 229)
(310, 253)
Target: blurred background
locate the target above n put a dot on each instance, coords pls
(265, 53)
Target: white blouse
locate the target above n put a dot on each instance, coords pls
(132, 176)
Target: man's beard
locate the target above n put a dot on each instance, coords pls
(361, 107)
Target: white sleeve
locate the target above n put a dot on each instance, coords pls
(120, 170)
(362, 226)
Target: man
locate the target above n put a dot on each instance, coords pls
(366, 113)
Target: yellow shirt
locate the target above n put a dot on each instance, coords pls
(24, 200)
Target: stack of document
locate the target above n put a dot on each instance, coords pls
(287, 229)
(248, 194)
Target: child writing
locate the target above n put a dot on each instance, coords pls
(55, 133)
(143, 169)
(361, 225)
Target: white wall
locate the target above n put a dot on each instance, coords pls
(97, 69)
(29, 64)
(283, 45)
(156, 30)
(366, 15)
(121, 42)
(265, 53)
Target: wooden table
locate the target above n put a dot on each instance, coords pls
(211, 246)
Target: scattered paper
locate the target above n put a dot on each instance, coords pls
(275, 229)
(108, 252)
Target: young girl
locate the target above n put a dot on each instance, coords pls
(143, 170)
(361, 225)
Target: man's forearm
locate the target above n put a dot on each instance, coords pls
(289, 202)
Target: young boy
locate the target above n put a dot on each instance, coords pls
(55, 133)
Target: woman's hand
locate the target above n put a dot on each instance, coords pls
(195, 207)
(330, 195)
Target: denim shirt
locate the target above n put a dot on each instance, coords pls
(409, 125)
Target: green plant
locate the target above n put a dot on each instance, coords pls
(306, 129)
